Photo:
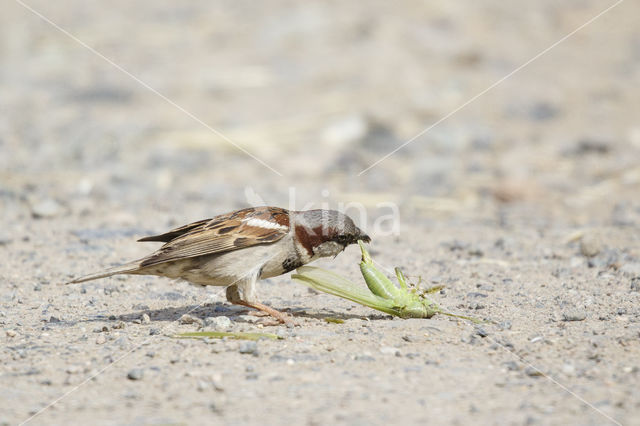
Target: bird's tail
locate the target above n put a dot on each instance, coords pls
(127, 268)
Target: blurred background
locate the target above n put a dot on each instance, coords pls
(320, 91)
(121, 119)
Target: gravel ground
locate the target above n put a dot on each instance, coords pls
(524, 204)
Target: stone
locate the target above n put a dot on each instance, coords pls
(249, 348)
(389, 350)
(568, 369)
(533, 372)
(218, 323)
(364, 357)
(74, 369)
(46, 208)
(251, 319)
(481, 332)
(189, 319)
(345, 131)
(574, 315)
(631, 268)
(512, 366)
(543, 111)
(590, 245)
(5, 239)
(504, 325)
(135, 374)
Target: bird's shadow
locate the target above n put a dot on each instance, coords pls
(221, 309)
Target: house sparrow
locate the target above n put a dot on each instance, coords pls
(236, 249)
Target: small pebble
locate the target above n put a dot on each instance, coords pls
(250, 348)
(218, 323)
(485, 287)
(512, 366)
(11, 333)
(135, 374)
(576, 262)
(345, 131)
(122, 341)
(475, 305)
(189, 319)
(74, 369)
(505, 325)
(590, 245)
(389, 350)
(591, 146)
(45, 208)
(476, 252)
(533, 372)
(140, 307)
(631, 268)
(542, 111)
(5, 239)
(481, 332)
(364, 357)
(145, 319)
(477, 294)
(575, 315)
(281, 332)
(251, 319)
(101, 339)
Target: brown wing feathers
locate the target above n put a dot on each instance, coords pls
(240, 229)
(174, 233)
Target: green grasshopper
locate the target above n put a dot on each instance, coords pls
(404, 301)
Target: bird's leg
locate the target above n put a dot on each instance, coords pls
(243, 294)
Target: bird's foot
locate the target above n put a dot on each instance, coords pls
(281, 317)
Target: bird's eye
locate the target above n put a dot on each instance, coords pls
(343, 239)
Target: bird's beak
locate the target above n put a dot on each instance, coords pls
(364, 237)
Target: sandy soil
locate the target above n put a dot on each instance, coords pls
(525, 204)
